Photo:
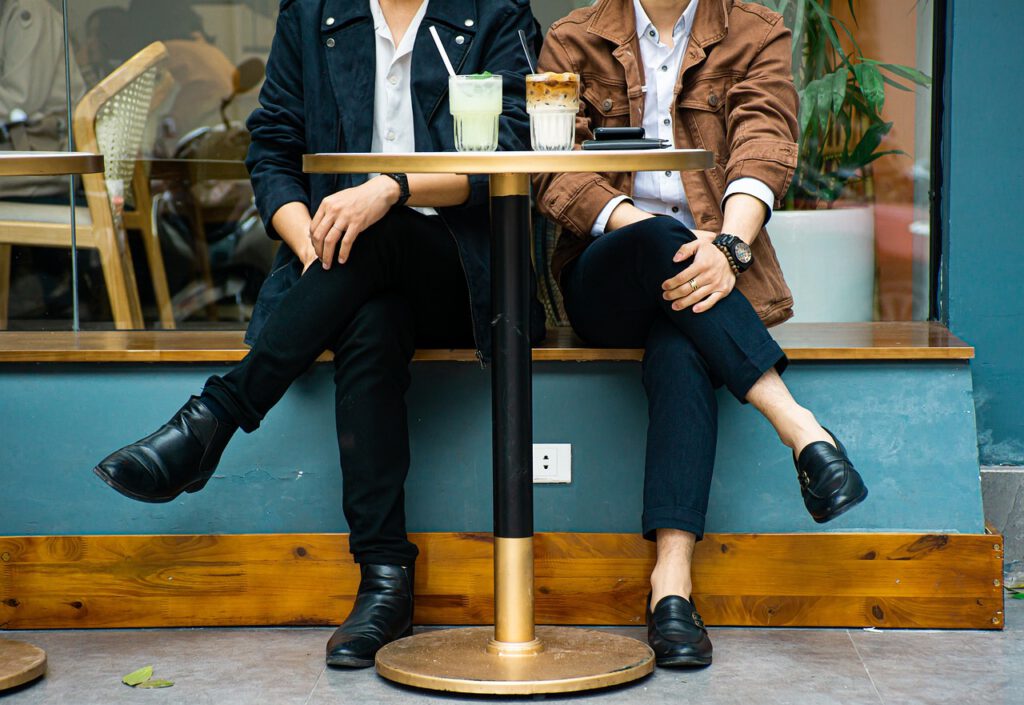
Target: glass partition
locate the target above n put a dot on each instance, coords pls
(169, 237)
(36, 287)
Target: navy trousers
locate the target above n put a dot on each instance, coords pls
(614, 298)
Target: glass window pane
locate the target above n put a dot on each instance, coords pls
(171, 84)
(853, 233)
(36, 291)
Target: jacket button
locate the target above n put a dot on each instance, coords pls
(469, 23)
(713, 100)
(607, 104)
(330, 43)
(329, 21)
(460, 39)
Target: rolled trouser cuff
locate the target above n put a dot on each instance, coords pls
(767, 356)
(679, 518)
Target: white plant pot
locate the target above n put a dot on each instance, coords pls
(828, 259)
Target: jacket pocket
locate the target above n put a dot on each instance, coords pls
(702, 107)
(607, 101)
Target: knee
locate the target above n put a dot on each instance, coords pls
(654, 242)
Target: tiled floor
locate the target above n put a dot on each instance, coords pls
(757, 666)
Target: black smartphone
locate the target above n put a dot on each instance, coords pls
(619, 133)
(609, 145)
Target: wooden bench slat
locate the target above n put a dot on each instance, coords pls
(801, 341)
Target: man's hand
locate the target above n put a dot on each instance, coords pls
(707, 280)
(343, 216)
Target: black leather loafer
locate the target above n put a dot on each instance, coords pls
(179, 457)
(676, 633)
(381, 614)
(828, 481)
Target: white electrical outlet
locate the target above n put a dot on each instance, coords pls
(552, 462)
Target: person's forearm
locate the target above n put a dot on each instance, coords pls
(292, 222)
(744, 217)
(625, 214)
(437, 190)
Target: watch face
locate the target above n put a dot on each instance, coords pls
(743, 253)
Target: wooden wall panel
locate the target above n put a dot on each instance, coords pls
(836, 580)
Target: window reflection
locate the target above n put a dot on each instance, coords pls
(182, 245)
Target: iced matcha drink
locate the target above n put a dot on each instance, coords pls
(552, 100)
(475, 103)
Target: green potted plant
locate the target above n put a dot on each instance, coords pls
(842, 93)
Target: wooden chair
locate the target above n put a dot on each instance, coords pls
(110, 120)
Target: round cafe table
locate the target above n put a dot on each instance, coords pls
(21, 662)
(513, 657)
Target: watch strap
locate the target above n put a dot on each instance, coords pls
(403, 183)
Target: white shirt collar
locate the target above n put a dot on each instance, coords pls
(380, 25)
(644, 26)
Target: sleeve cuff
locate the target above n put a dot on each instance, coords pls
(601, 224)
(752, 187)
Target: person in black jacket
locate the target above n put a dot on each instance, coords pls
(374, 264)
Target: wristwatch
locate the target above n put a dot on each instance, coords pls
(403, 183)
(736, 251)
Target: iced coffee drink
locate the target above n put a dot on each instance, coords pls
(475, 103)
(552, 100)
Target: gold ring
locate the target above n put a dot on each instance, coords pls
(693, 285)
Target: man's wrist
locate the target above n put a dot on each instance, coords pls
(398, 190)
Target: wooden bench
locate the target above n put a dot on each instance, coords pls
(801, 341)
(925, 577)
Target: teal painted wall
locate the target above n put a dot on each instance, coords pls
(984, 213)
(909, 427)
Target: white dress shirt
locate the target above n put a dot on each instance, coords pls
(662, 192)
(392, 95)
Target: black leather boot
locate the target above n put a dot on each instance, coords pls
(676, 633)
(179, 457)
(828, 481)
(381, 614)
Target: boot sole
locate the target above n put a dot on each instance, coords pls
(149, 499)
(683, 661)
(348, 662)
(842, 508)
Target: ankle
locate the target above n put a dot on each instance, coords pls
(802, 430)
(663, 585)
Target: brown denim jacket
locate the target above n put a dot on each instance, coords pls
(734, 96)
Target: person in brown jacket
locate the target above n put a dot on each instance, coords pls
(680, 263)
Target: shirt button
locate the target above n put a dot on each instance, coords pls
(664, 68)
(667, 121)
(675, 209)
(393, 79)
(330, 43)
(652, 33)
(668, 173)
(391, 136)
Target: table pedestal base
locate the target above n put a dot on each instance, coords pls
(570, 660)
(20, 663)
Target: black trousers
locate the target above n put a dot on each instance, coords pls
(403, 286)
(614, 298)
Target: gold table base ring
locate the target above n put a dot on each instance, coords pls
(459, 661)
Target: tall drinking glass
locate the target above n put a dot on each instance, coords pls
(475, 103)
(552, 100)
